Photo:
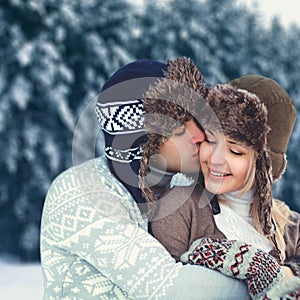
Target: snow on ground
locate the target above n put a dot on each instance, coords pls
(20, 281)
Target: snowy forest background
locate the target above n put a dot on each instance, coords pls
(55, 56)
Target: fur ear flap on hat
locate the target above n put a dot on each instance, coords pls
(168, 104)
(262, 192)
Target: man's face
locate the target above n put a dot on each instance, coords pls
(180, 153)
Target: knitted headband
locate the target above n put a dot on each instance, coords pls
(281, 116)
(244, 119)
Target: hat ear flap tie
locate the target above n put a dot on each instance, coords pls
(263, 191)
(263, 194)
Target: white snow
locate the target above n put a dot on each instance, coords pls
(20, 281)
(21, 92)
(25, 53)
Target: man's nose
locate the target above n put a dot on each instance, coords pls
(198, 136)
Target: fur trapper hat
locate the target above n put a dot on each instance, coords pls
(281, 116)
(169, 103)
(243, 118)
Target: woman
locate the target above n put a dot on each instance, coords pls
(236, 166)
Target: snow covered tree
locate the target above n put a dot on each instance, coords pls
(54, 58)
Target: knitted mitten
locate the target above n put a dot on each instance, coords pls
(259, 269)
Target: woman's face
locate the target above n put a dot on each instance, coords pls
(224, 163)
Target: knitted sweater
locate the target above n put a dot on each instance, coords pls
(95, 245)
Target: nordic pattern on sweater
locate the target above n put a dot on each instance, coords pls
(94, 243)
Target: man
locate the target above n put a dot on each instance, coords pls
(94, 235)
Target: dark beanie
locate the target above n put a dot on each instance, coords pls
(119, 110)
(137, 69)
(281, 116)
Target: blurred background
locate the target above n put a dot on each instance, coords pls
(55, 56)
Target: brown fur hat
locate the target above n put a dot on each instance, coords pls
(169, 103)
(243, 118)
(281, 116)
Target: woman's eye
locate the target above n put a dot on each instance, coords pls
(236, 152)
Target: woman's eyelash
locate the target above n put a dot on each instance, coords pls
(236, 153)
(212, 142)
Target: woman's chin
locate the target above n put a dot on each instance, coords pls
(213, 187)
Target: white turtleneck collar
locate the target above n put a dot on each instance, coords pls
(235, 222)
(240, 204)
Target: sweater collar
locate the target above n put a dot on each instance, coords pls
(239, 203)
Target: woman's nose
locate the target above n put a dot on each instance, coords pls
(218, 156)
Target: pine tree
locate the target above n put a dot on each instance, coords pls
(54, 58)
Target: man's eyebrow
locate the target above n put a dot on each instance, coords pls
(210, 132)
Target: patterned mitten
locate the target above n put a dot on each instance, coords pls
(237, 259)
